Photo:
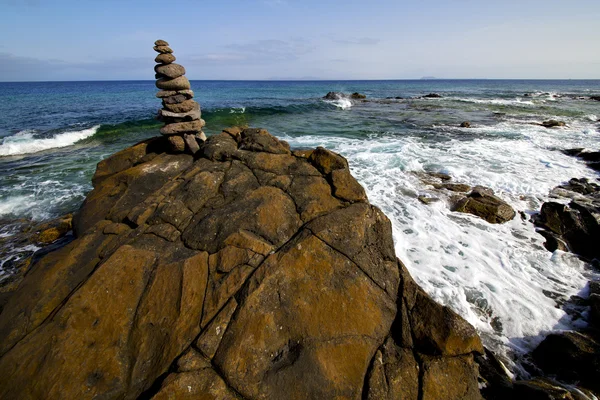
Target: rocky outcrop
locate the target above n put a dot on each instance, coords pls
(432, 96)
(591, 158)
(574, 226)
(180, 113)
(340, 95)
(247, 271)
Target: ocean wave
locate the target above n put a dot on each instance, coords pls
(342, 103)
(25, 142)
(502, 102)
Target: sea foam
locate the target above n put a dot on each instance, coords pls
(25, 142)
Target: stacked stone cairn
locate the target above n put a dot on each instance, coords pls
(180, 113)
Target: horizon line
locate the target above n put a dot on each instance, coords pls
(314, 80)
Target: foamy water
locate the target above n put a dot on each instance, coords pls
(493, 275)
(25, 142)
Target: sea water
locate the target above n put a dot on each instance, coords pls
(499, 277)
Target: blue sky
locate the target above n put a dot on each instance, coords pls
(293, 39)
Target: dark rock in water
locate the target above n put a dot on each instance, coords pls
(597, 98)
(432, 96)
(497, 384)
(465, 124)
(357, 95)
(527, 95)
(575, 224)
(552, 123)
(594, 301)
(334, 96)
(454, 187)
(170, 71)
(428, 200)
(483, 203)
(180, 83)
(592, 158)
(570, 356)
(242, 272)
(540, 389)
(161, 43)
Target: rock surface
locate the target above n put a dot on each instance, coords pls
(482, 203)
(247, 271)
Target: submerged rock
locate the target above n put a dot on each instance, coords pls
(552, 123)
(246, 271)
(465, 124)
(432, 96)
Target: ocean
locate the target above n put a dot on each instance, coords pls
(499, 277)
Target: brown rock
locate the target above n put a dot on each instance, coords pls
(183, 127)
(53, 230)
(165, 58)
(451, 378)
(482, 203)
(552, 123)
(184, 106)
(191, 143)
(177, 144)
(179, 259)
(327, 161)
(465, 124)
(170, 93)
(161, 43)
(163, 49)
(347, 188)
(541, 389)
(169, 116)
(171, 71)
(200, 137)
(453, 187)
(180, 83)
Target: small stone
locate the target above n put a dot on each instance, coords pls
(465, 124)
(165, 58)
(177, 144)
(183, 107)
(183, 127)
(180, 83)
(428, 200)
(170, 70)
(200, 137)
(163, 49)
(552, 123)
(168, 93)
(191, 142)
(161, 43)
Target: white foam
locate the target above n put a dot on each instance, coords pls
(24, 142)
(504, 102)
(342, 103)
(487, 273)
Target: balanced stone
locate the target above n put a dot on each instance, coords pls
(170, 70)
(168, 93)
(165, 58)
(180, 98)
(185, 106)
(180, 83)
(183, 127)
(179, 117)
(161, 43)
(163, 49)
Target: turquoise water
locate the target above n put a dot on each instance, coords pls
(53, 135)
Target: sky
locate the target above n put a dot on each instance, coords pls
(67, 40)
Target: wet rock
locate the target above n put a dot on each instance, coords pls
(432, 96)
(597, 98)
(428, 200)
(465, 124)
(497, 384)
(552, 123)
(483, 203)
(358, 96)
(571, 357)
(453, 187)
(270, 263)
(541, 389)
(334, 96)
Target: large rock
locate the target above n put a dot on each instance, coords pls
(183, 127)
(170, 70)
(246, 271)
(180, 83)
(165, 58)
(571, 356)
(482, 203)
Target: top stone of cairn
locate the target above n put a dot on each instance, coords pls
(161, 43)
